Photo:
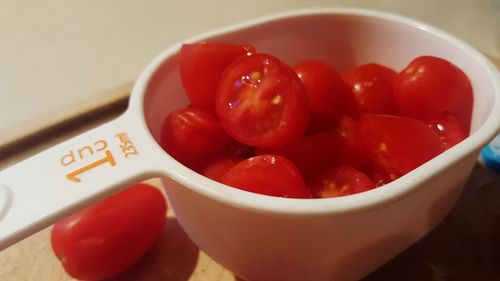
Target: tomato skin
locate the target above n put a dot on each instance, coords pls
(192, 136)
(351, 150)
(261, 102)
(324, 87)
(308, 153)
(371, 85)
(398, 144)
(448, 129)
(201, 67)
(428, 87)
(336, 181)
(269, 175)
(105, 239)
(219, 167)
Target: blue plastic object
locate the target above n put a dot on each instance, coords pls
(491, 154)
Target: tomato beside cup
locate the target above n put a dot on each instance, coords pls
(105, 239)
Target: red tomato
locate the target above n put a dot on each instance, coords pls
(338, 181)
(371, 87)
(219, 167)
(201, 67)
(261, 102)
(351, 149)
(428, 87)
(309, 153)
(238, 150)
(192, 136)
(110, 236)
(269, 175)
(324, 87)
(462, 111)
(398, 144)
(448, 129)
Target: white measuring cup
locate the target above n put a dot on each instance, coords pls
(260, 237)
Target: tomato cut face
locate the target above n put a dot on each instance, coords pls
(201, 67)
(269, 175)
(370, 85)
(107, 238)
(398, 144)
(338, 181)
(351, 147)
(428, 87)
(324, 87)
(261, 102)
(192, 136)
(448, 129)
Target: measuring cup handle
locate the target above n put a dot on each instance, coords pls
(67, 177)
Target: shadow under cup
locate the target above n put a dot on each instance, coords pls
(262, 238)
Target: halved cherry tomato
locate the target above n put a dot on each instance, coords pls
(336, 181)
(309, 153)
(324, 87)
(462, 111)
(371, 87)
(351, 150)
(219, 167)
(105, 239)
(428, 87)
(398, 144)
(192, 136)
(201, 67)
(269, 175)
(261, 102)
(448, 129)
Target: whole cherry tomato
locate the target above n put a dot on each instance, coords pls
(448, 129)
(105, 239)
(269, 175)
(192, 136)
(371, 87)
(324, 87)
(430, 86)
(398, 144)
(201, 67)
(336, 181)
(261, 102)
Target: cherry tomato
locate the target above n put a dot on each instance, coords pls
(371, 87)
(219, 167)
(192, 136)
(324, 87)
(448, 129)
(351, 149)
(398, 144)
(338, 181)
(201, 67)
(462, 111)
(428, 87)
(110, 236)
(269, 175)
(309, 153)
(261, 102)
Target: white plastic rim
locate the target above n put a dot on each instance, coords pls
(358, 202)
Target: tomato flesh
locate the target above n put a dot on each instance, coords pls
(105, 239)
(269, 175)
(261, 102)
(338, 181)
(201, 67)
(398, 144)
